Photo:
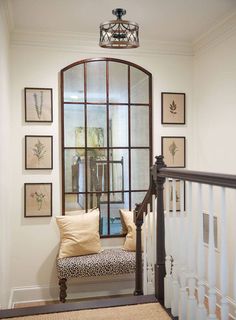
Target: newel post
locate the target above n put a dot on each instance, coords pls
(160, 271)
(138, 220)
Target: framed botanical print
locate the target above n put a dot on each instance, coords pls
(37, 200)
(38, 105)
(173, 150)
(172, 108)
(38, 152)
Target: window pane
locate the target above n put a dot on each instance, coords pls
(140, 126)
(139, 86)
(96, 81)
(139, 169)
(97, 170)
(93, 202)
(137, 197)
(118, 126)
(74, 202)
(74, 84)
(118, 82)
(74, 170)
(115, 222)
(119, 169)
(96, 126)
(74, 125)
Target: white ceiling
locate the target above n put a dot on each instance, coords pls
(160, 20)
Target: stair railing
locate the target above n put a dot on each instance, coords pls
(191, 269)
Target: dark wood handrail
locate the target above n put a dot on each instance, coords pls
(216, 179)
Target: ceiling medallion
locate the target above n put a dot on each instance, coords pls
(119, 34)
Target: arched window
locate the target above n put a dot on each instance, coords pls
(106, 137)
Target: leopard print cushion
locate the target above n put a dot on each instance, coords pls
(107, 262)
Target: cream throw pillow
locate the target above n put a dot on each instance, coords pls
(130, 239)
(79, 234)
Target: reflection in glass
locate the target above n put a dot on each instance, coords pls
(74, 170)
(139, 86)
(73, 125)
(96, 126)
(74, 84)
(118, 82)
(118, 126)
(97, 170)
(75, 203)
(137, 197)
(139, 169)
(119, 169)
(140, 124)
(93, 202)
(96, 81)
(115, 222)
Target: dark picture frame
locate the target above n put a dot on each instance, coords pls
(38, 104)
(38, 152)
(173, 108)
(37, 200)
(173, 149)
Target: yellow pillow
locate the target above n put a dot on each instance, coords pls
(79, 234)
(124, 229)
(130, 239)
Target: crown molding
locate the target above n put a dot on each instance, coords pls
(5, 7)
(221, 31)
(68, 41)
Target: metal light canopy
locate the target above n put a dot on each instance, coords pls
(119, 34)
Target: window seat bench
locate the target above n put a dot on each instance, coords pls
(112, 261)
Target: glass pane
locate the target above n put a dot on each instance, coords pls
(74, 202)
(97, 170)
(137, 197)
(140, 169)
(104, 220)
(74, 125)
(96, 81)
(119, 169)
(139, 86)
(74, 84)
(96, 126)
(139, 126)
(118, 82)
(118, 126)
(115, 222)
(74, 170)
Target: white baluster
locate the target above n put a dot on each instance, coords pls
(223, 260)
(175, 283)
(234, 270)
(167, 280)
(192, 303)
(149, 251)
(144, 228)
(182, 256)
(201, 309)
(211, 261)
(154, 229)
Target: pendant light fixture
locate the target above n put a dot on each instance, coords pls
(119, 34)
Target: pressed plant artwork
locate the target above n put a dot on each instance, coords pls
(38, 105)
(173, 108)
(38, 199)
(173, 150)
(38, 152)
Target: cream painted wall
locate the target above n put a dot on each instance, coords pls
(34, 241)
(214, 127)
(5, 159)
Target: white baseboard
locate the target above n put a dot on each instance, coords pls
(76, 289)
